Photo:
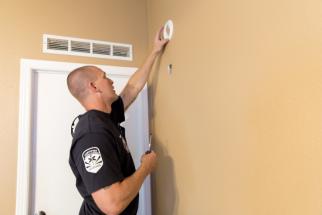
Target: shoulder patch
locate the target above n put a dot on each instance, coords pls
(93, 160)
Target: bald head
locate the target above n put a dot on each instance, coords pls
(78, 80)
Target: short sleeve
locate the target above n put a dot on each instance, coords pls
(97, 161)
(117, 113)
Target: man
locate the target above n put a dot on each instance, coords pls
(99, 157)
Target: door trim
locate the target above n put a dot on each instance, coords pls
(28, 69)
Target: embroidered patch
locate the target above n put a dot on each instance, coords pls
(92, 159)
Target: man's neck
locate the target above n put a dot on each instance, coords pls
(98, 106)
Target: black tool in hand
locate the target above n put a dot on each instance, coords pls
(150, 140)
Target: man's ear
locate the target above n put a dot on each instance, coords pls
(93, 88)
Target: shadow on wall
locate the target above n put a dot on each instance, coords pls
(164, 191)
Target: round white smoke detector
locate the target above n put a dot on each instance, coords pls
(168, 30)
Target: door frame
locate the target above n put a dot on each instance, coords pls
(28, 70)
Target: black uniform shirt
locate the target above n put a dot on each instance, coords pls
(99, 155)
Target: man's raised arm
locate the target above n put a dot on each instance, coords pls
(140, 77)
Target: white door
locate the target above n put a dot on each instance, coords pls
(52, 188)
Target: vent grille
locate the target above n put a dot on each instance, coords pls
(121, 51)
(103, 49)
(57, 44)
(84, 47)
(77, 46)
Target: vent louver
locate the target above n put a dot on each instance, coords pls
(121, 51)
(83, 47)
(77, 46)
(57, 44)
(103, 49)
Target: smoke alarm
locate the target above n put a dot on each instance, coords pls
(168, 30)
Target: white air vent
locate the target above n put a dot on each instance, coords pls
(103, 49)
(77, 46)
(57, 44)
(83, 47)
(121, 51)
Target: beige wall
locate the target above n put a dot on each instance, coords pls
(238, 126)
(22, 24)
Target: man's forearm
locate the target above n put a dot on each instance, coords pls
(124, 192)
(140, 77)
(130, 187)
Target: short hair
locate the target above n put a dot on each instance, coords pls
(78, 79)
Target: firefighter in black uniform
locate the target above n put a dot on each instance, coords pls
(99, 157)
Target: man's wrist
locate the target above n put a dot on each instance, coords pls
(155, 52)
(144, 169)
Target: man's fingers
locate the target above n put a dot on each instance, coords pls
(159, 34)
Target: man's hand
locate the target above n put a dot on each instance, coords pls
(148, 161)
(159, 42)
(116, 197)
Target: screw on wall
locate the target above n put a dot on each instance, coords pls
(170, 69)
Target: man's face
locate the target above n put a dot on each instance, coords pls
(105, 87)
